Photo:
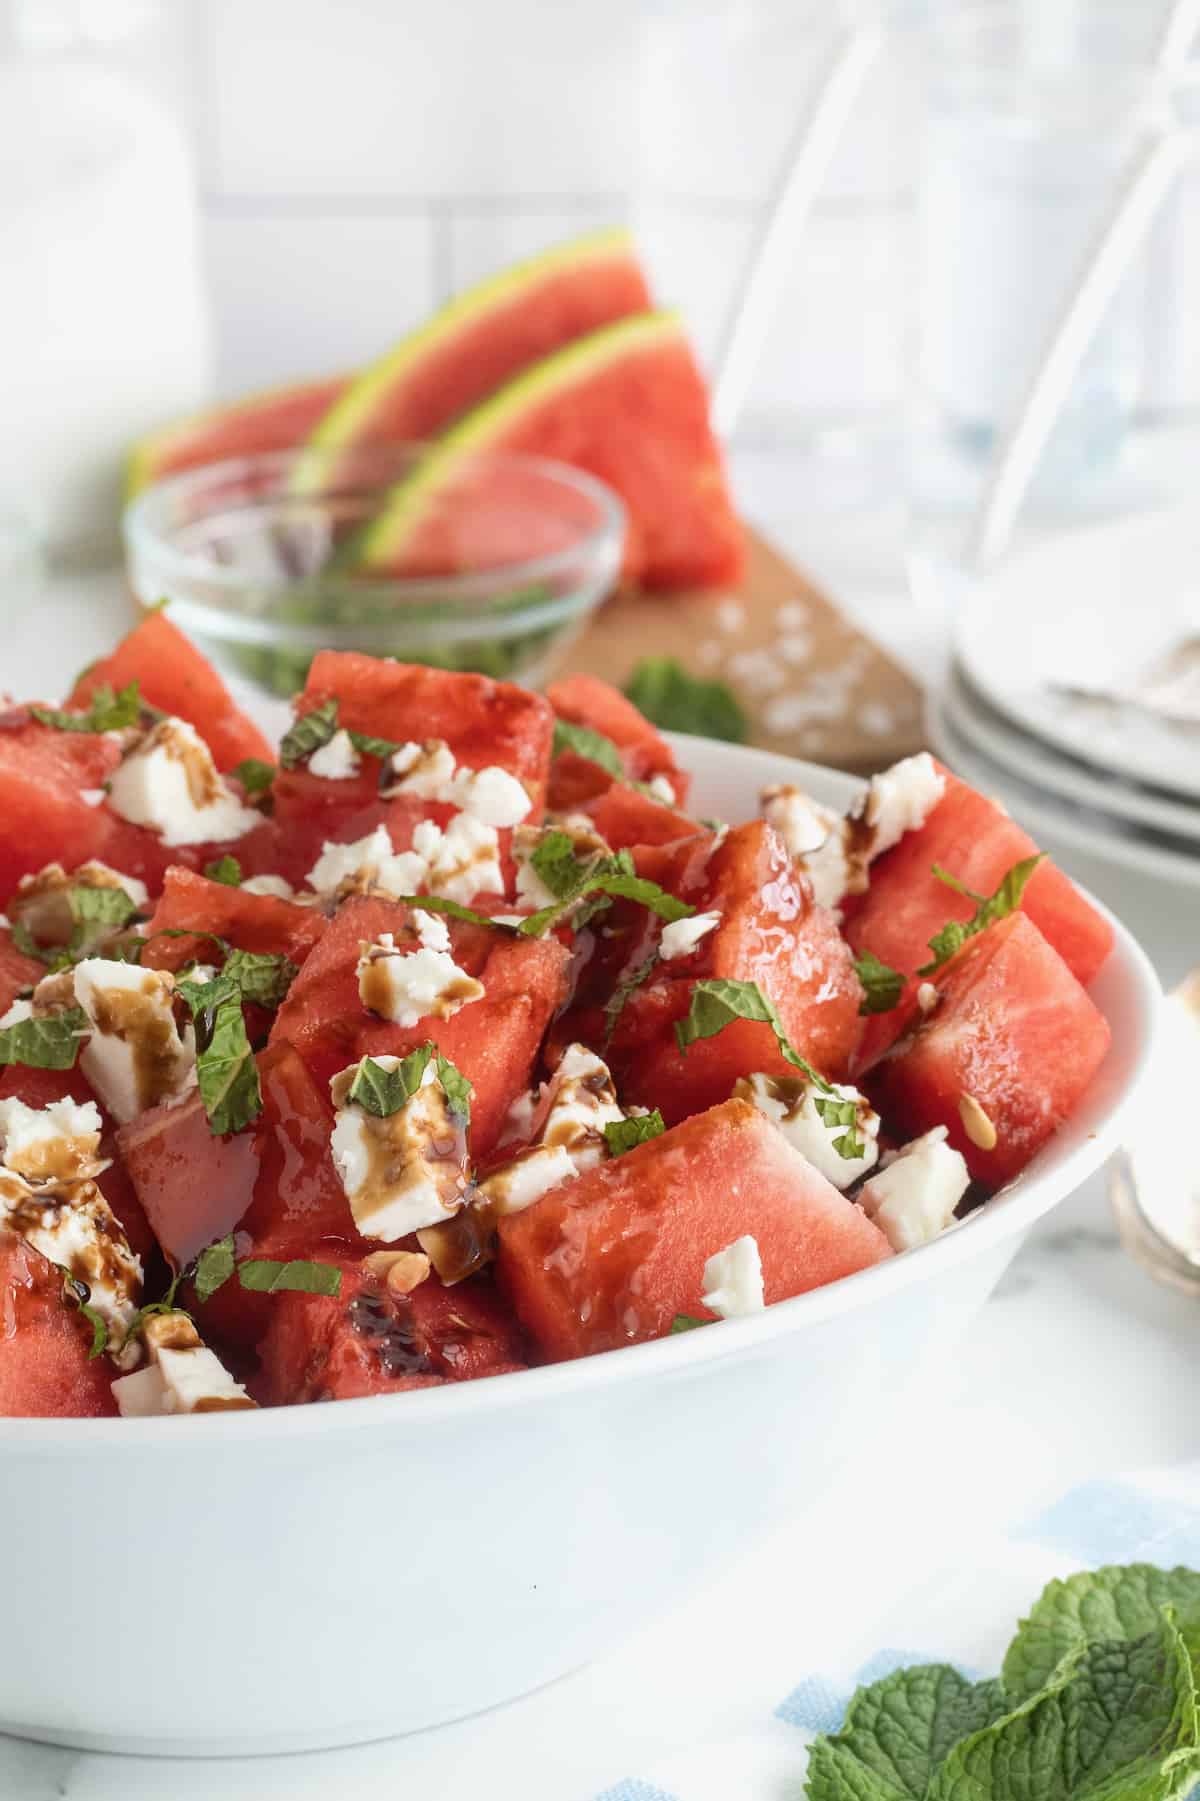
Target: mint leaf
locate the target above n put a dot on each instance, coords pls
(214, 1266)
(571, 878)
(144, 1312)
(384, 1091)
(1117, 1602)
(662, 689)
(262, 1275)
(225, 869)
(623, 1134)
(988, 909)
(1115, 1722)
(882, 986)
(225, 1066)
(897, 1731)
(686, 1322)
(96, 913)
(587, 743)
(456, 1089)
(107, 712)
(383, 748)
(554, 860)
(436, 903)
(49, 1042)
(309, 733)
(261, 976)
(254, 775)
(625, 989)
(77, 1293)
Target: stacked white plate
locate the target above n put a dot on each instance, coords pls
(1044, 645)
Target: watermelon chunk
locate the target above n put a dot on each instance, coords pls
(45, 1371)
(16, 971)
(276, 419)
(586, 701)
(483, 337)
(610, 1258)
(368, 1341)
(770, 932)
(250, 922)
(494, 1041)
(1012, 1029)
(44, 817)
(624, 818)
(174, 677)
(576, 406)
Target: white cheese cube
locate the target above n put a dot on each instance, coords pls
(71, 1224)
(136, 1055)
(914, 1197)
(268, 884)
(901, 799)
(490, 795)
(169, 783)
(584, 1101)
(681, 936)
(813, 835)
(196, 1381)
(733, 1280)
(60, 1142)
(402, 1172)
(794, 1105)
(410, 985)
(337, 760)
(527, 1178)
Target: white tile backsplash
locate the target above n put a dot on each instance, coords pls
(301, 295)
(482, 240)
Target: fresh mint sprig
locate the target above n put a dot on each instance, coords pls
(675, 700)
(225, 1068)
(48, 1042)
(623, 1135)
(988, 909)
(611, 876)
(106, 712)
(586, 743)
(882, 986)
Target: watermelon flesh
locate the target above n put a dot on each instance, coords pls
(45, 1372)
(277, 419)
(484, 337)
(584, 700)
(610, 1258)
(1013, 1029)
(577, 407)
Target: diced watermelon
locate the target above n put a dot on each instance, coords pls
(45, 1371)
(586, 701)
(173, 676)
(368, 1341)
(610, 1258)
(193, 1185)
(771, 933)
(493, 1041)
(44, 776)
(975, 840)
(483, 722)
(624, 817)
(250, 922)
(16, 971)
(38, 1088)
(1014, 1030)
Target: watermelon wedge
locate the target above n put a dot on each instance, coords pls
(275, 419)
(626, 403)
(482, 338)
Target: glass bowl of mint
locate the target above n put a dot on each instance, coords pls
(472, 560)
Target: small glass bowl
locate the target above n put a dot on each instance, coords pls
(257, 557)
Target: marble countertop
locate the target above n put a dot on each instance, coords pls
(1078, 1368)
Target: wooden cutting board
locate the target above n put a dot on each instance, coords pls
(811, 683)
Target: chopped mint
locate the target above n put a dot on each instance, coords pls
(107, 712)
(687, 1322)
(384, 1091)
(456, 1089)
(882, 986)
(225, 869)
(625, 989)
(898, 1731)
(555, 862)
(623, 1134)
(718, 1000)
(263, 1275)
(308, 733)
(254, 775)
(1120, 1602)
(988, 909)
(95, 913)
(662, 689)
(77, 1292)
(49, 1042)
(225, 1066)
(214, 1266)
(261, 976)
(571, 877)
(437, 903)
(587, 743)
(383, 748)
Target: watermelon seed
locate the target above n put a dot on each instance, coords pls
(976, 1124)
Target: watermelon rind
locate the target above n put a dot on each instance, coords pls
(146, 459)
(383, 539)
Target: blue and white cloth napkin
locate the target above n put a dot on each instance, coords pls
(963, 1614)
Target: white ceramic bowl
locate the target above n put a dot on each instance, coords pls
(315, 1576)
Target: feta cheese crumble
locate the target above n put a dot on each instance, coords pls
(17, 1013)
(337, 760)
(268, 884)
(181, 1376)
(661, 790)
(169, 782)
(583, 1101)
(681, 936)
(491, 795)
(406, 1170)
(42, 901)
(57, 1143)
(532, 1173)
(733, 1280)
(421, 769)
(835, 851)
(406, 985)
(791, 1101)
(913, 1196)
(457, 864)
(136, 1055)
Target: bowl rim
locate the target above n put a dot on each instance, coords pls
(145, 540)
(1005, 1216)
